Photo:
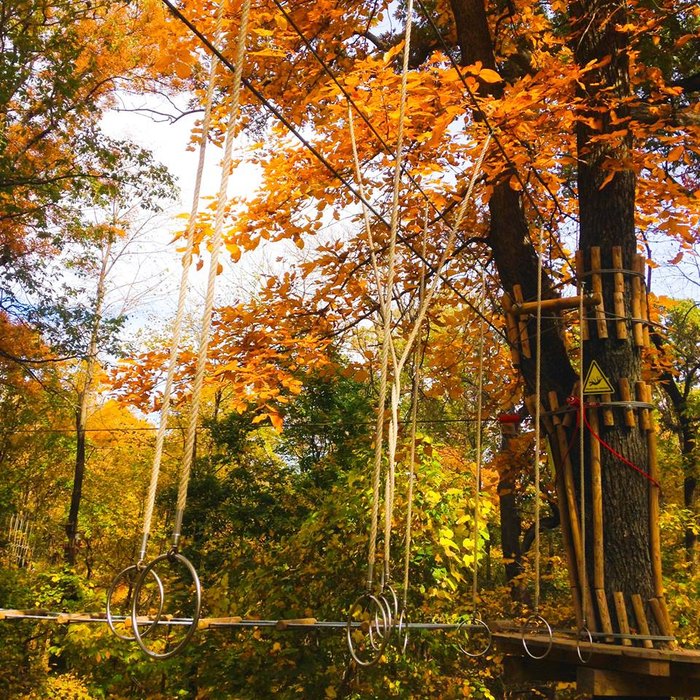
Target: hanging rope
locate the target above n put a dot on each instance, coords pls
(216, 244)
(536, 619)
(479, 416)
(538, 411)
(174, 347)
(173, 556)
(182, 295)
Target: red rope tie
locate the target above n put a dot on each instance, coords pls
(574, 401)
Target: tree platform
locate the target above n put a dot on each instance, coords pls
(610, 671)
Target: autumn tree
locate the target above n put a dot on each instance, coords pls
(679, 374)
(591, 109)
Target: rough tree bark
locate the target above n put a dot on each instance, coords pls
(81, 413)
(607, 219)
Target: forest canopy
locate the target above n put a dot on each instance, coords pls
(377, 389)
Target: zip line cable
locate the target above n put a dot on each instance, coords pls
(328, 70)
(492, 130)
(275, 111)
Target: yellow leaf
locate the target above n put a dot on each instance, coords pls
(676, 154)
(489, 76)
(234, 250)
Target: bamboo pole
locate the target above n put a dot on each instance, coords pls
(640, 615)
(619, 295)
(511, 330)
(621, 614)
(637, 321)
(626, 395)
(597, 284)
(522, 323)
(559, 304)
(580, 270)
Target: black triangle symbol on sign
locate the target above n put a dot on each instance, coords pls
(596, 382)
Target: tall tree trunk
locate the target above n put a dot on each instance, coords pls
(84, 397)
(606, 191)
(607, 219)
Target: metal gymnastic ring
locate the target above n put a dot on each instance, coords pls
(134, 568)
(580, 635)
(379, 629)
(394, 606)
(523, 629)
(377, 604)
(402, 630)
(171, 557)
(477, 622)
(391, 605)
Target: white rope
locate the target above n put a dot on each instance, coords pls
(412, 439)
(447, 252)
(182, 295)
(479, 458)
(389, 292)
(583, 575)
(538, 410)
(216, 244)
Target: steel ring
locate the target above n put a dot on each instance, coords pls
(377, 604)
(523, 630)
(391, 605)
(380, 630)
(169, 557)
(580, 636)
(110, 594)
(477, 622)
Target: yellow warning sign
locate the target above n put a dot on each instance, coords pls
(596, 382)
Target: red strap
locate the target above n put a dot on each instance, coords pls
(574, 401)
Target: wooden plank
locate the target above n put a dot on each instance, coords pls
(521, 669)
(207, 622)
(621, 614)
(603, 612)
(522, 323)
(558, 304)
(282, 625)
(644, 303)
(609, 683)
(619, 295)
(626, 395)
(597, 505)
(571, 506)
(644, 394)
(669, 622)
(637, 322)
(640, 616)
(597, 285)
